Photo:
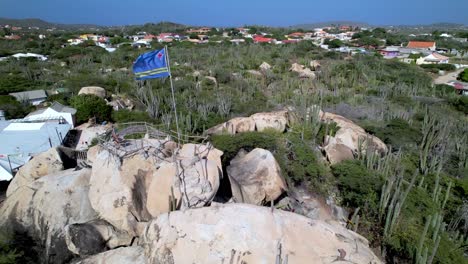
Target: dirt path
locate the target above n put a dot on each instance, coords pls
(448, 77)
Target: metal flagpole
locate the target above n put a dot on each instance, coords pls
(173, 96)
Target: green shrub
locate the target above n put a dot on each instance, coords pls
(89, 106)
(460, 104)
(300, 163)
(231, 144)
(125, 116)
(398, 133)
(463, 76)
(438, 67)
(358, 186)
(8, 255)
(14, 109)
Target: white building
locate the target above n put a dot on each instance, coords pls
(57, 111)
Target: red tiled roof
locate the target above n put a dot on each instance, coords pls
(262, 39)
(421, 44)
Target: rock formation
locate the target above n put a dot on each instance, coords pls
(277, 120)
(349, 138)
(43, 164)
(94, 90)
(43, 208)
(241, 233)
(255, 177)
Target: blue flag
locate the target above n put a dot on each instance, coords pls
(151, 65)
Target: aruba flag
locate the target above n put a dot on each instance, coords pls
(151, 65)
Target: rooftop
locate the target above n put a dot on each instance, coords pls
(30, 95)
(421, 44)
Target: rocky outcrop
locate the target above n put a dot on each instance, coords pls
(45, 206)
(257, 235)
(255, 177)
(302, 71)
(265, 66)
(349, 139)
(94, 90)
(43, 164)
(277, 121)
(271, 120)
(124, 255)
(135, 189)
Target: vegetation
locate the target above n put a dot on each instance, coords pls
(90, 106)
(421, 182)
(463, 76)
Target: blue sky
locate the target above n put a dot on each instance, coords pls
(238, 12)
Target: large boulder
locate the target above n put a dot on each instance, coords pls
(265, 66)
(123, 255)
(43, 164)
(271, 120)
(277, 120)
(234, 126)
(242, 233)
(130, 191)
(349, 139)
(45, 206)
(94, 90)
(118, 189)
(255, 177)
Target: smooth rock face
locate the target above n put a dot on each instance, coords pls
(241, 233)
(94, 90)
(118, 191)
(271, 120)
(257, 122)
(44, 207)
(349, 139)
(43, 164)
(255, 177)
(124, 255)
(240, 124)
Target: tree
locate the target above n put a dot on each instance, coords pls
(334, 43)
(463, 76)
(89, 106)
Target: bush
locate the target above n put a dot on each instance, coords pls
(124, 116)
(357, 185)
(438, 67)
(460, 104)
(14, 109)
(300, 163)
(398, 133)
(463, 76)
(89, 106)
(231, 144)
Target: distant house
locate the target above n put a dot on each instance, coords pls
(13, 37)
(57, 111)
(261, 39)
(424, 45)
(433, 58)
(33, 97)
(296, 35)
(390, 52)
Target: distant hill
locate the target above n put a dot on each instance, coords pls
(331, 23)
(35, 22)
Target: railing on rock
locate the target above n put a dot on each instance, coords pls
(117, 141)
